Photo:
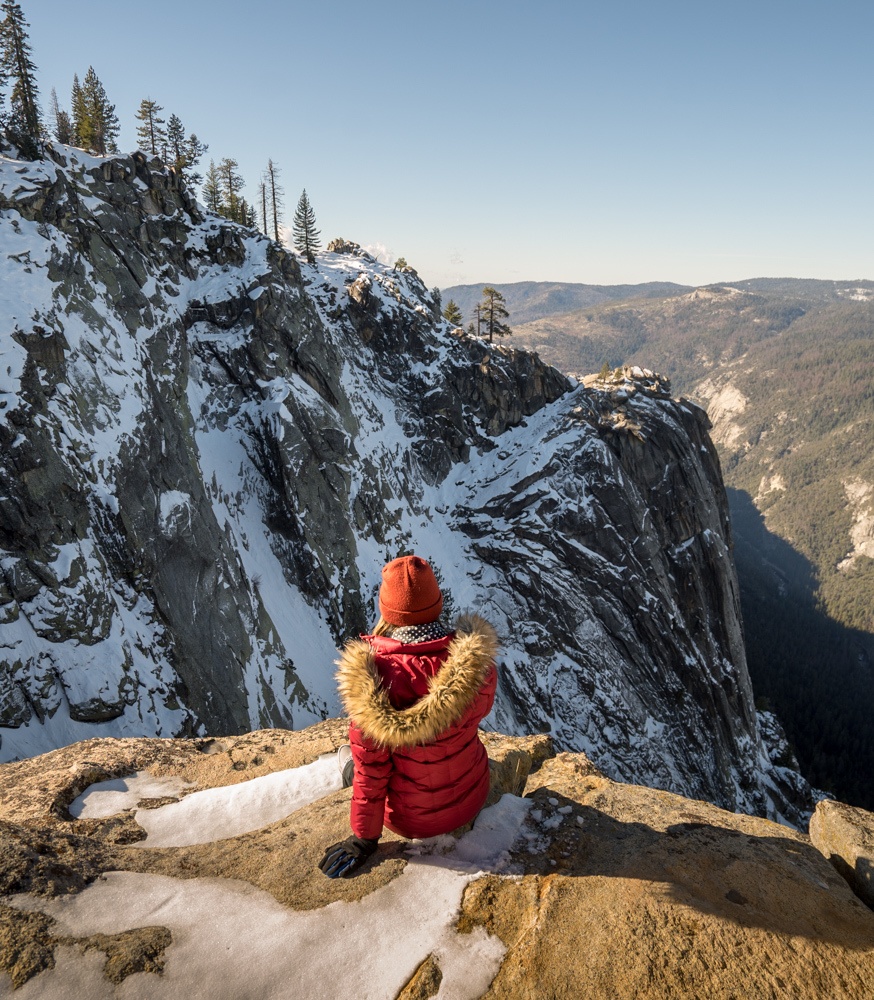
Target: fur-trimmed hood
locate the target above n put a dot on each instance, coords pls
(452, 689)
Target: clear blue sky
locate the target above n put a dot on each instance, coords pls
(569, 141)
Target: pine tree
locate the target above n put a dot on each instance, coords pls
(262, 197)
(183, 152)
(176, 144)
(194, 149)
(3, 81)
(24, 122)
(98, 129)
(306, 236)
(77, 102)
(61, 125)
(231, 186)
(212, 190)
(275, 195)
(247, 215)
(452, 314)
(151, 133)
(494, 312)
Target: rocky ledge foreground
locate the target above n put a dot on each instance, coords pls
(582, 887)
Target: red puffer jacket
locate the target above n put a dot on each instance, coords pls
(414, 711)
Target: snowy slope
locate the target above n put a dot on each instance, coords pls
(209, 450)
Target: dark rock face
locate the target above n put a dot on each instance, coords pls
(209, 449)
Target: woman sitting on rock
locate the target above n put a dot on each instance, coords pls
(415, 693)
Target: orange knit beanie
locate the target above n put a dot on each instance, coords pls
(409, 594)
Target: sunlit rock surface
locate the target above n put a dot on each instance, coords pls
(581, 887)
(845, 835)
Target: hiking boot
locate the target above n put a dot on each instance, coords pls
(346, 764)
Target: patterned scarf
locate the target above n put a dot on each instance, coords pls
(408, 634)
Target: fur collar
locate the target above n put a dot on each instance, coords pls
(452, 690)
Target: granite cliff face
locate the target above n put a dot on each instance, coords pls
(208, 450)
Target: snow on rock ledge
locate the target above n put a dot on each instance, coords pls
(695, 899)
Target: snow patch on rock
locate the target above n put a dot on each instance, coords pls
(230, 933)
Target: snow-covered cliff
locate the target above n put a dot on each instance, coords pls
(208, 450)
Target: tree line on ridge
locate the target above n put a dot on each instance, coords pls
(92, 124)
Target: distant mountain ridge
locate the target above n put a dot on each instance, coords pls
(527, 300)
(813, 289)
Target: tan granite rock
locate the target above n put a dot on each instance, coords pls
(621, 891)
(639, 893)
(845, 835)
(425, 982)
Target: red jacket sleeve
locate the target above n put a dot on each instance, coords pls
(373, 767)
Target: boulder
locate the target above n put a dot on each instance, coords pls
(845, 835)
(359, 290)
(641, 893)
(339, 245)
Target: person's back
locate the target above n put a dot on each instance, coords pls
(415, 694)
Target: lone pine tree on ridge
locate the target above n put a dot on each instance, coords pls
(493, 313)
(306, 236)
(151, 132)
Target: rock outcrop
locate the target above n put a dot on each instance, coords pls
(208, 449)
(845, 835)
(605, 889)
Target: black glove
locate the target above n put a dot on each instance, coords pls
(344, 859)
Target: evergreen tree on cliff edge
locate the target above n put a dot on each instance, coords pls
(452, 314)
(24, 125)
(151, 133)
(231, 185)
(212, 189)
(59, 121)
(494, 312)
(306, 236)
(77, 103)
(184, 152)
(95, 122)
(275, 193)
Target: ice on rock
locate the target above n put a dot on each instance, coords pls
(217, 813)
